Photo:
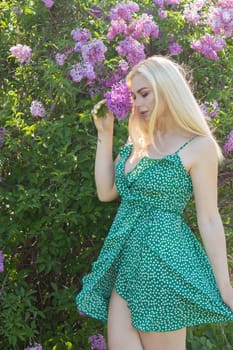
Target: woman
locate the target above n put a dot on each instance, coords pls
(152, 278)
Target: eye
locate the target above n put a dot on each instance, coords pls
(145, 94)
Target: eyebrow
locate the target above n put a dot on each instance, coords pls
(143, 88)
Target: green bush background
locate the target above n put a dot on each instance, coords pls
(51, 223)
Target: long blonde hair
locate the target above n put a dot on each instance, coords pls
(168, 82)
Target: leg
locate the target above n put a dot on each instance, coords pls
(164, 340)
(121, 334)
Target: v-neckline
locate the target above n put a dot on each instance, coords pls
(144, 158)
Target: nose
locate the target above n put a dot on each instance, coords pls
(137, 101)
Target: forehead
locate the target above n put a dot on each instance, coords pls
(139, 81)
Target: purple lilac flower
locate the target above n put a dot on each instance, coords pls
(191, 10)
(227, 4)
(159, 3)
(162, 13)
(117, 27)
(17, 10)
(96, 11)
(210, 109)
(208, 46)
(80, 71)
(175, 48)
(1, 261)
(221, 20)
(93, 52)
(80, 34)
(173, 2)
(124, 11)
(48, 3)
(2, 132)
(228, 147)
(132, 50)
(118, 100)
(37, 109)
(35, 347)
(60, 59)
(98, 342)
(81, 313)
(78, 46)
(144, 27)
(22, 52)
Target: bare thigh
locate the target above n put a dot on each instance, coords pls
(175, 340)
(121, 334)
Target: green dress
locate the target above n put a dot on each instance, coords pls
(150, 255)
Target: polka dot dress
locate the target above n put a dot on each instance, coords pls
(150, 255)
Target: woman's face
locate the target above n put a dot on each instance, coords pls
(143, 98)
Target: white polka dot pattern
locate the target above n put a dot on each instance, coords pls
(151, 256)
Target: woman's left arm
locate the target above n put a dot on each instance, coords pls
(204, 174)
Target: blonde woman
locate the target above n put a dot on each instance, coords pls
(152, 278)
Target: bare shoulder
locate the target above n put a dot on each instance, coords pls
(203, 150)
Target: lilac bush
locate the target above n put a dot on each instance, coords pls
(76, 53)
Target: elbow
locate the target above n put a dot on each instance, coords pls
(105, 197)
(209, 221)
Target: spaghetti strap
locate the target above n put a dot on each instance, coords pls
(185, 144)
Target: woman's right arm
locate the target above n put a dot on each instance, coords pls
(104, 164)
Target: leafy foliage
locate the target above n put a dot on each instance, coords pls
(51, 224)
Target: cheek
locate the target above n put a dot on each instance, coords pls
(151, 102)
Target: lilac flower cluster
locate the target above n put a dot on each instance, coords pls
(22, 52)
(37, 109)
(116, 28)
(81, 35)
(210, 109)
(98, 342)
(60, 59)
(93, 53)
(1, 261)
(220, 20)
(35, 347)
(175, 48)
(228, 147)
(124, 11)
(114, 76)
(80, 71)
(191, 11)
(48, 3)
(209, 45)
(164, 3)
(144, 27)
(162, 13)
(17, 10)
(118, 100)
(225, 4)
(2, 132)
(132, 49)
(96, 11)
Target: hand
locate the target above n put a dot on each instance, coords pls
(227, 296)
(103, 124)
